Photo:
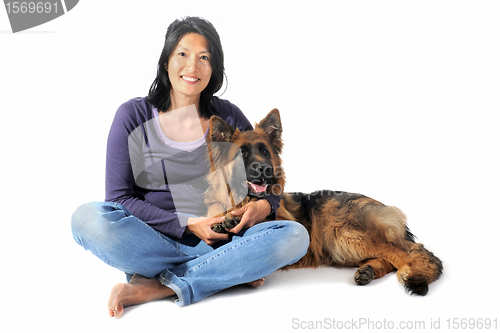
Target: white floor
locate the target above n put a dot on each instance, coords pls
(71, 289)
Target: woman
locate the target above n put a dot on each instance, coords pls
(151, 225)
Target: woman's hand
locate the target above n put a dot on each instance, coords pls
(201, 227)
(252, 213)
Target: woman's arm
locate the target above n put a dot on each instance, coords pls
(120, 179)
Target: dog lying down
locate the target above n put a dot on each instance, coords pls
(346, 229)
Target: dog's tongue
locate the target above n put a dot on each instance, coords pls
(258, 188)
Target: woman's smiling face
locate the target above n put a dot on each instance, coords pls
(189, 68)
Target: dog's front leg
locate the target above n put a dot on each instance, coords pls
(217, 210)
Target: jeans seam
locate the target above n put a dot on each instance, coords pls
(182, 291)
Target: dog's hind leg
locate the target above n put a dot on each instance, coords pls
(417, 267)
(421, 267)
(372, 269)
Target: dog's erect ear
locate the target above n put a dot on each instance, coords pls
(220, 131)
(271, 124)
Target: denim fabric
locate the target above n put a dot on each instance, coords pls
(190, 267)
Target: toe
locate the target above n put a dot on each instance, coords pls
(118, 311)
(257, 283)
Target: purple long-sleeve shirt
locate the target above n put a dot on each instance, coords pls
(154, 181)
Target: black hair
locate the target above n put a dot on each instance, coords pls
(159, 92)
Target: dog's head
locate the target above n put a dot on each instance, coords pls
(258, 153)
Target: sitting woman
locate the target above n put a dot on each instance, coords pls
(151, 225)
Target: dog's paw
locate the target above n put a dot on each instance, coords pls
(364, 275)
(416, 285)
(218, 228)
(230, 221)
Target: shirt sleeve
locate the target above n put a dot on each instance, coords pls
(232, 114)
(274, 201)
(120, 180)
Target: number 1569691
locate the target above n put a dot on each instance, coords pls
(16, 7)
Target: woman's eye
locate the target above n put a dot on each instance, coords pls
(182, 54)
(205, 58)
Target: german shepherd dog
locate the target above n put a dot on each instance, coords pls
(346, 229)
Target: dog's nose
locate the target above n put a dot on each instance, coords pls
(266, 170)
(261, 172)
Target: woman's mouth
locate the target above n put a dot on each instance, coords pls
(190, 79)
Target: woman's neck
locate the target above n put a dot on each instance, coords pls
(183, 124)
(179, 102)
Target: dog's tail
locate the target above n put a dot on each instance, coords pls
(417, 267)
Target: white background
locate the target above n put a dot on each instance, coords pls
(394, 99)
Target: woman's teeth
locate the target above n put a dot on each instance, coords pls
(191, 79)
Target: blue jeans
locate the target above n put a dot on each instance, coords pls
(188, 266)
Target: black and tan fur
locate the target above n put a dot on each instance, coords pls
(346, 229)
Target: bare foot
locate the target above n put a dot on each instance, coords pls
(139, 290)
(257, 283)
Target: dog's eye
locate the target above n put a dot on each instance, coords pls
(264, 152)
(244, 153)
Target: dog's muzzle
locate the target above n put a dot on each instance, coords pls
(259, 177)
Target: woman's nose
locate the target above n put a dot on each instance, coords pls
(192, 64)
